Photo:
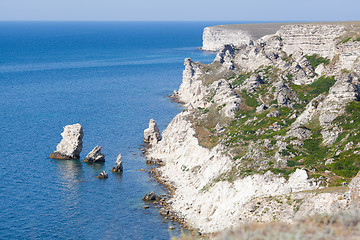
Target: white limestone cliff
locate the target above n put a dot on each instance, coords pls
(204, 202)
(214, 38)
(209, 195)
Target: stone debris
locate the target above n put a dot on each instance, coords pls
(71, 144)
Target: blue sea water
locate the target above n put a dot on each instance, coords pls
(111, 77)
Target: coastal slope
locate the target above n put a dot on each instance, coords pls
(270, 129)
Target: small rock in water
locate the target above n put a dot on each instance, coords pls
(71, 144)
(118, 165)
(146, 206)
(164, 211)
(171, 228)
(103, 175)
(151, 197)
(95, 156)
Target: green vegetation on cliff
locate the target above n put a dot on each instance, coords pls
(260, 139)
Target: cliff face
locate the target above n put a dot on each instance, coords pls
(263, 123)
(214, 38)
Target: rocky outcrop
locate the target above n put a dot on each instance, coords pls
(192, 90)
(152, 134)
(226, 56)
(102, 175)
(226, 98)
(118, 165)
(284, 95)
(71, 144)
(95, 156)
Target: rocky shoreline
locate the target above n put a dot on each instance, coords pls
(222, 170)
(165, 208)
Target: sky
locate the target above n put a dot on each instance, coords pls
(183, 10)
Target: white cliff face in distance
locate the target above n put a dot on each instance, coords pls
(236, 153)
(215, 37)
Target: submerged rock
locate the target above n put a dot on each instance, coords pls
(71, 144)
(118, 165)
(103, 175)
(95, 155)
(152, 134)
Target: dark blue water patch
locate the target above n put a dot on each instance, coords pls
(110, 77)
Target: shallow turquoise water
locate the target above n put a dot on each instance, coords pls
(111, 77)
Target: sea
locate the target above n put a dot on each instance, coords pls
(112, 78)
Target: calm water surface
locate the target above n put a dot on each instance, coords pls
(112, 78)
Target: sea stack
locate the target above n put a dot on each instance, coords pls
(152, 134)
(118, 165)
(71, 144)
(95, 156)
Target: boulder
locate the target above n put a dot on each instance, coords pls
(71, 144)
(151, 197)
(118, 165)
(164, 211)
(95, 156)
(103, 175)
(152, 134)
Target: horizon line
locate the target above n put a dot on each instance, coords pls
(245, 21)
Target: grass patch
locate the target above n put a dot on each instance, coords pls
(322, 85)
(249, 100)
(241, 79)
(346, 164)
(283, 172)
(308, 92)
(345, 40)
(315, 60)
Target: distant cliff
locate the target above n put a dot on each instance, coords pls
(215, 37)
(271, 127)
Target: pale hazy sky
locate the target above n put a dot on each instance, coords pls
(217, 10)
